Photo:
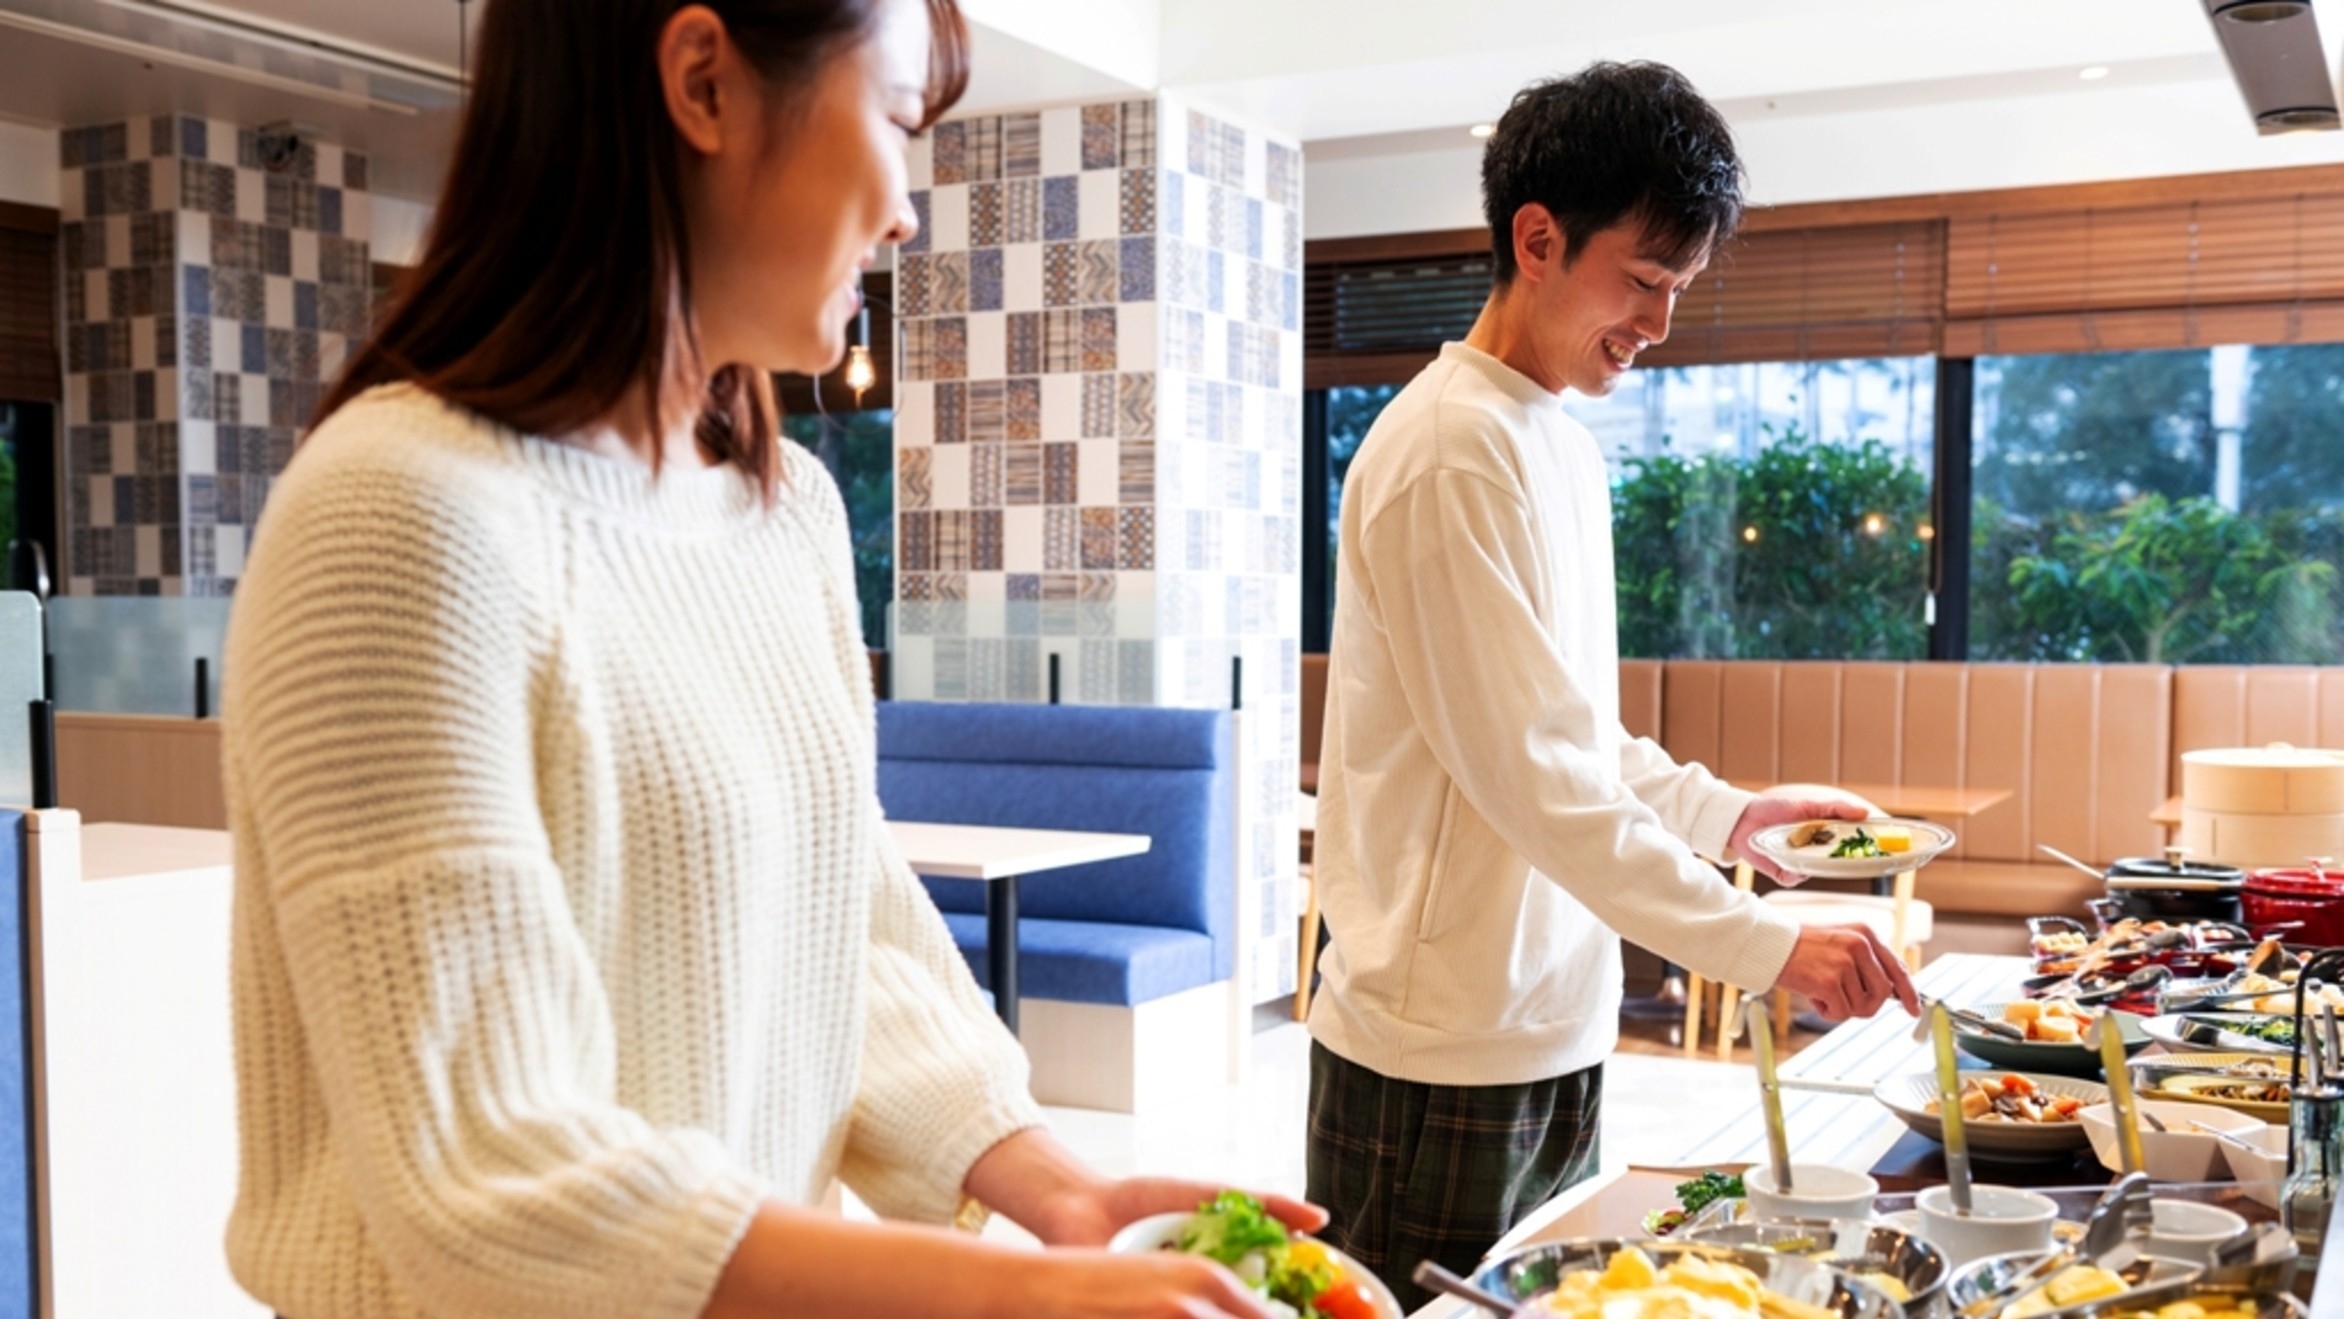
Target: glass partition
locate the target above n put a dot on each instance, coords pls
(130, 654)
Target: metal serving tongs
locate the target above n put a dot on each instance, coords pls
(2225, 991)
(2122, 1212)
(1970, 1017)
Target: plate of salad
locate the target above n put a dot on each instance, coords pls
(1851, 849)
(1299, 1276)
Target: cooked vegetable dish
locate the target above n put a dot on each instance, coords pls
(2050, 1021)
(2011, 1099)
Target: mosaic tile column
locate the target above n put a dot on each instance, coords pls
(208, 298)
(1098, 438)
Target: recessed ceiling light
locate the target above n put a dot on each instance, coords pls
(2094, 73)
(2261, 11)
(1482, 130)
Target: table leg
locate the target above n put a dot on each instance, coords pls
(1001, 947)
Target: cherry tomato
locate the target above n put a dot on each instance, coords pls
(1345, 1300)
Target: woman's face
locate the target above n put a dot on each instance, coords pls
(794, 200)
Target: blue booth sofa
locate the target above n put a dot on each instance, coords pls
(1125, 966)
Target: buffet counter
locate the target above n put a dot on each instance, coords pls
(1833, 1118)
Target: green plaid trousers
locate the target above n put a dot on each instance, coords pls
(1413, 1172)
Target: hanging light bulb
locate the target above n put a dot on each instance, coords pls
(860, 373)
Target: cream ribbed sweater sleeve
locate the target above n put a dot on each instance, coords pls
(942, 1080)
(381, 703)
(1452, 559)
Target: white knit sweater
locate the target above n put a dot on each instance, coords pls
(566, 925)
(1487, 831)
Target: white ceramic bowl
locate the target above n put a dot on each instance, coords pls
(2259, 1173)
(1819, 1190)
(2188, 1230)
(2002, 1220)
(1162, 1232)
(2179, 1153)
(1909, 1098)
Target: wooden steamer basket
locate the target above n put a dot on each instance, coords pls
(2262, 807)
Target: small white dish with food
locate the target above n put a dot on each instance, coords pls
(1852, 849)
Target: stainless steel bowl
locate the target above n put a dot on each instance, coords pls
(1533, 1271)
(1983, 1277)
(1851, 1245)
(2265, 1304)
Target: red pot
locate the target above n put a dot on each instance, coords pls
(2310, 899)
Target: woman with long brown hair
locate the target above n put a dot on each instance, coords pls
(572, 961)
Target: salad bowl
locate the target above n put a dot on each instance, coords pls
(1234, 1230)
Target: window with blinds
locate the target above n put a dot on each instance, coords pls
(1813, 294)
(29, 311)
(1375, 311)
(2178, 274)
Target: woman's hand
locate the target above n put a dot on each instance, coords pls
(1038, 1182)
(1090, 1215)
(1088, 1284)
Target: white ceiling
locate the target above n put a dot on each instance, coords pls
(1357, 80)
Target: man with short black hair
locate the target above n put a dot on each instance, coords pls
(1487, 831)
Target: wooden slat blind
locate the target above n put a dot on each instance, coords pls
(1376, 319)
(2169, 275)
(29, 312)
(1796, 295)
(1862, 290)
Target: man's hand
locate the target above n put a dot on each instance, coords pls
(1845, 971)
(1783, 810)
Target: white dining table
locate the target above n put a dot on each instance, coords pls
(997, 857)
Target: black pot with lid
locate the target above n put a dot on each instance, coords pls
(2169, 888)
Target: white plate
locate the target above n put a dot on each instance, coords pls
(1908, 1097)
(2167, 1031)
(1162, 1232)
(1816, 860)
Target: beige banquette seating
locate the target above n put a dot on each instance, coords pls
(2083, 750)
(2087, 751)
(2219, 706)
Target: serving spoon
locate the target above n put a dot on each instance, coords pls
(1433, 1278)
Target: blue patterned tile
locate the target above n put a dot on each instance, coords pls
(919, 240)
(1138, 270)
(985, 279)
(1061, 207)
(1213, 282)
(1253, 228)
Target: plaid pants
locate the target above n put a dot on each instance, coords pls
(1413, 1172)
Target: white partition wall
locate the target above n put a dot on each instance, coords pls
(1098, 439)
(134, 1081)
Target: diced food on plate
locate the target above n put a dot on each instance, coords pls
(2050, 1021)
(2011, 1098)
